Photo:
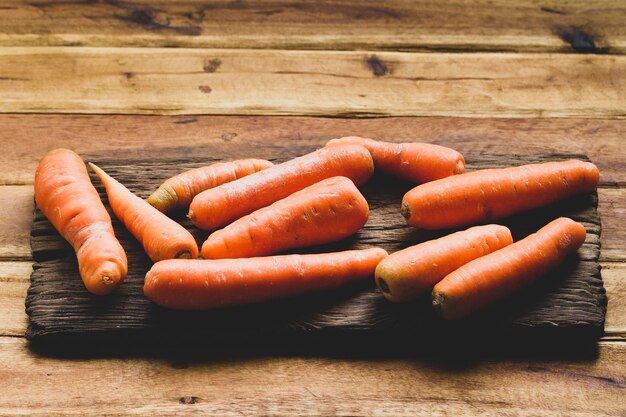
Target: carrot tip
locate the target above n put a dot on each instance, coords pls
(439, 300)
(183, 254)
(459, 168)
(405, 210)
(162, 200)
(382, 284)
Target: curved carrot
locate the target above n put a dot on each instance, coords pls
(216, 207)
(161, 237)
(491, 194)
(177, 192)
(416, 162)
(411, 272)
(203, 284)
(65, 195)
(327, 211)
(486, 280)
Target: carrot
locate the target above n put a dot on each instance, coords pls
(177, 192)
(161, 237)
(416, 162)
(486, 195)
(216, 207)
(65, 195)
(327, 211)
(203, 284)
(411, 272)
(493, 277)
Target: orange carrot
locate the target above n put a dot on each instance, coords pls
(177, 192)
(490, 194)
(216, 207)
(161, 237)
(416, 162)
(327, 211)
(493, 277)
(411, 272)
(65, 195)
(203, 284)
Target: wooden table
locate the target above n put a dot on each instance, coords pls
(163, 78)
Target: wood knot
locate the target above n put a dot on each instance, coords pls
(378, 67)
(211, 65)
(580, 40)
(188, 400)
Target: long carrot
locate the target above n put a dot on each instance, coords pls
(204, 284)
(416, 162)
(67, 198)
(216, 207)
(161, 237)
(411, 272)
(177, 192)
(493, 277)
(486, 195)
(327, 211)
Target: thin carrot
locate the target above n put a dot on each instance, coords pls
(416, 162)
(177, 192)
(65, 195)
(493, 277)
(486, 195)
(161, 237)
(216, 207)
(204, 284)
(411, 272)
(327, 211)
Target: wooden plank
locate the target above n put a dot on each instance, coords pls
(254, 82)
(185, 382)
(182, 136)
(569, 302)
(16, 217)
(614, 277)
(552, 26)
(612, 205)
(14, 281)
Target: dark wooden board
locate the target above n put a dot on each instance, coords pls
(569, 302)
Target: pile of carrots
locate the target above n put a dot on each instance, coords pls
(256, 210)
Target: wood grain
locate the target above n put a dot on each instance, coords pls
(192, 382)
(271, 82)
(548, 26)
(571, 302)
(614, 277)
(29, 137)
(613, 203)
(14, 281)
(16, 208)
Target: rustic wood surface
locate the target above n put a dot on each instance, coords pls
(338, 83)
(507, 67)
(570, 302)
(525, 25)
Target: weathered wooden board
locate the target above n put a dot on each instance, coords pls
(190, 381)
(180, 136)
(325, 83)
(500, 25)
(569, 302)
